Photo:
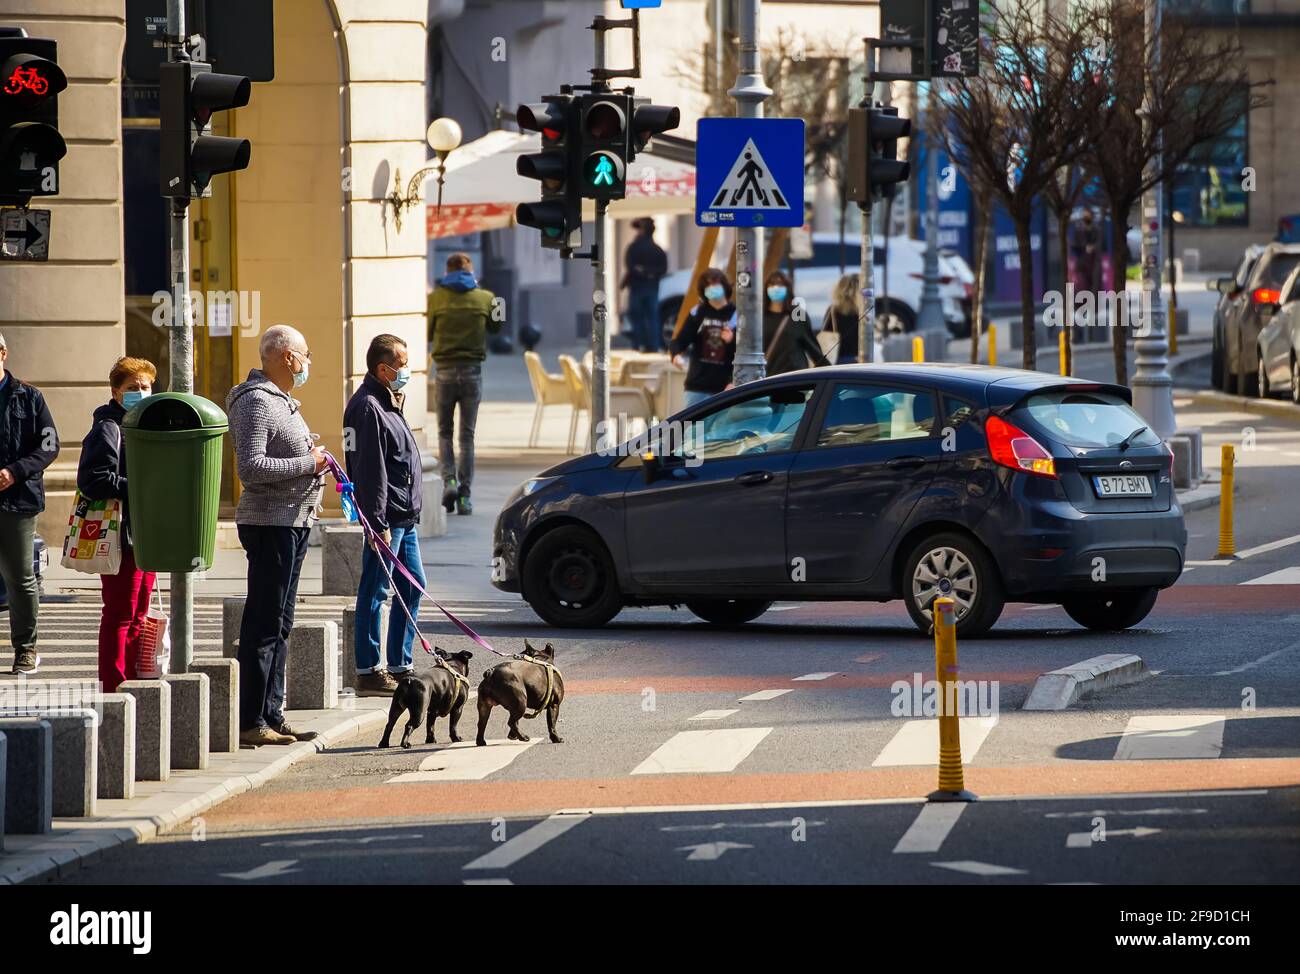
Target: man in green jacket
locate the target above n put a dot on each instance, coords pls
(460, 315)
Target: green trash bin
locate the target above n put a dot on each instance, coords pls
(173, 476)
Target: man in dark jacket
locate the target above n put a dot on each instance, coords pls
(28, 444)
(384, 465)
(460, 316)
(645, 263)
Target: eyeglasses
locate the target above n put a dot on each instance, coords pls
(302, 355)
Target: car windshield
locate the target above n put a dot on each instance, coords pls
(763, 424)
(1277, 270)
(1088, 419)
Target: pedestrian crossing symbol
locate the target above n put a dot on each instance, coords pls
(749, 172)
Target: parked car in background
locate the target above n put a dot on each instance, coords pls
(1279, 344)
(1229, 288)
(815, 277)
(1249, 310)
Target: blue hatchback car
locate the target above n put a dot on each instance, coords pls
(861, 482)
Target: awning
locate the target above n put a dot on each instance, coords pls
(481, 187)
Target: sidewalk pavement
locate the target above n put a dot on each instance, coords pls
(179, 801)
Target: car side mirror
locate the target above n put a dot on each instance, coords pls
(1224, 285)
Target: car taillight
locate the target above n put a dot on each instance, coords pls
(1265, 295)
(1012, 447)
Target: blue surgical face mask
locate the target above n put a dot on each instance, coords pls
(300, 378)
(715, 292)
(777, 292)
(132, 397)
(400, 380)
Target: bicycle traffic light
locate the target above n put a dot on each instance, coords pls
(30, 143)
(874, 166)
(189, 94)
(558, 215)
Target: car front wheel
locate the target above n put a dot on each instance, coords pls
(1111, 613)
(728, 612)
(1295, 379)
(569, 579)
(955, 566)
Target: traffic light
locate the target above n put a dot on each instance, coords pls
(651, 120)
(874, 166)
(30, 143)
(606, 145)
(559, 212)
(189, 94)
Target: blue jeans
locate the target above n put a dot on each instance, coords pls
(374, 591)
(692, 397)
(643, 311)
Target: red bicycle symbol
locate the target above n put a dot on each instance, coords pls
(26, 79)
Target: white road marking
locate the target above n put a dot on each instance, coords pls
(713, 714)
(917, 742)
(494, 881)
(815, 676)
(465, 762)
(764, 695)
(1084, 840)
(276, 867)
(1040, 608)
(702, 751)
(1209, 563)
(1283, 576)
(1258, 662)
(709, 851)
(1171, 736)
(526, 843)
(979, 868)
(1269, 546)
(931, 827)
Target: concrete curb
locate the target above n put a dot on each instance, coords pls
(1273, 408)
(159, 806)
(1059, 689)
(1206, 495)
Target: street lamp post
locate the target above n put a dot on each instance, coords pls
(749, 93)
(1153, 395)
(929, 318)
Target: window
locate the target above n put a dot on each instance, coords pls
(1207, 189)
(1273, 270)
(956, 412)
(763, 424)
(859, 414)
(1088, 419)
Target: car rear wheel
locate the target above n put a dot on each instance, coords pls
(956, 566)
(1295, 379)
(1247, 379)
(894, 318)
(1261, 379)
(1110, 613)
(569, 579)
(1216, 363)
(729, 612)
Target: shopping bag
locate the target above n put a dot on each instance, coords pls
(154, 647)
(94, 540)
(830, 345)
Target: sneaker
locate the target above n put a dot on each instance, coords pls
(449, 495)
(464, 505)
(287, 730)
(262, 735)
(26, 663)
(380, 683)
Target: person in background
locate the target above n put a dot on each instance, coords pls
(1085, 248)
(709, 334)
(645, 263)
(282, 471)
(788, 341)
(460, 317)
(28, 444)
(101, 476)
(842, 317)
(384, 464)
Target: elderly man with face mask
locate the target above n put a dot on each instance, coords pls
(281, 469)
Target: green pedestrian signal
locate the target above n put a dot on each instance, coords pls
(603, 170)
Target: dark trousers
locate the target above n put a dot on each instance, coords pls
(17, 532)
(643, 313)
(458, 386)
(275, 557)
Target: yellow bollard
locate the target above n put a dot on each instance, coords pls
(1172, 325)
(1060, 350)
(952, 787)
(1227, 546)
(993, 344)
(918, 349)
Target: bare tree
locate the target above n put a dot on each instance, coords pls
(1193, 90)
(1018, 122)
(1062, 196)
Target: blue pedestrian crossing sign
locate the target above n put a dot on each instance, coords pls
(749, 172)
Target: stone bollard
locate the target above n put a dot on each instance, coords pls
(312, 669)
(29, 775)
(116, 771)
(347, 643)
(189, 728)
(153, 728)
(232, 614)
(223, 702)
(433, 516)
(76, 755)
(341, 550)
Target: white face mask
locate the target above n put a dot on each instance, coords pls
(300, 378)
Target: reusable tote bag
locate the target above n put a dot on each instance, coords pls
(94, 540)
(153, 655)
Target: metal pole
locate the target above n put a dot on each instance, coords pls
(929, 317)
(599, 435)
(749, 92)
(1153, 395)
(181, 354)
(866, 262)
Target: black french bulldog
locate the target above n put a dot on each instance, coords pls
(519, 686)
(435, 692)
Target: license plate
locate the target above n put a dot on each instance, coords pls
(1123, 485)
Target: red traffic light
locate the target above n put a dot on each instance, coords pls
(30, 77)
(546, 117)
(604, 120)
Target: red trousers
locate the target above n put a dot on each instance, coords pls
(126, 602)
